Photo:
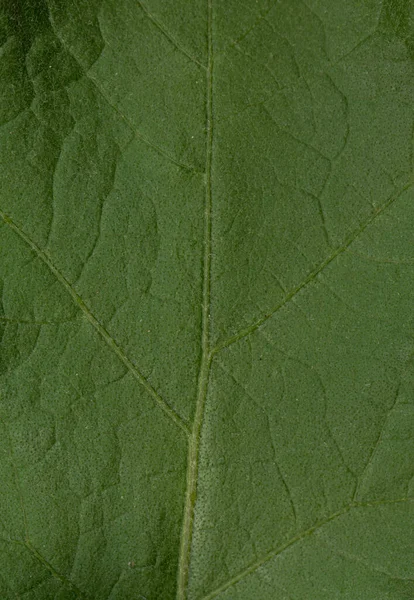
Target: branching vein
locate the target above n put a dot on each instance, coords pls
(62, 578)
(313, 274)
(298, 538)
(171, 413)
(194, 443)
(160, 150)
(169, 35)
(376, 444)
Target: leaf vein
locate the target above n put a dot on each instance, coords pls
(205, 363)
(296, 539)
(62, 578)
(313, 274)
(169, 36)
(163, 404)
(130, 124)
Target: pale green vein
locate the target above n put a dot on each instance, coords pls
(296, 539)
(257, 22)
(168, 410)
(27, 543)
(138, 133)
(169, 35)
(313, 274)
(62, 578)
(159, 149)
(194, 443)
(376, 444)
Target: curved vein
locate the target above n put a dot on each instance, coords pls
(169, 36)
(135, 131)
(376, 444)
(138, 133)
(160, 150)
(298, 538)
(62, 578)
(313, 274)
(257, 22)
(168, 410)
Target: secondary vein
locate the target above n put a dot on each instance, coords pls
(253, 567)
(169, 35)
(206, 357)
(168, 410)
(313, 274)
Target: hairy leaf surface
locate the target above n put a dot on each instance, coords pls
(207, 291)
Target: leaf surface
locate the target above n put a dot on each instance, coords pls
(207, 282)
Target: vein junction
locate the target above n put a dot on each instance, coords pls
(206, 356)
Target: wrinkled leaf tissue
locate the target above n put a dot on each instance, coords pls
(207, 282)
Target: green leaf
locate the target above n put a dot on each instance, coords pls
(207, 291)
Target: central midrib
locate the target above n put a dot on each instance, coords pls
(206, 355)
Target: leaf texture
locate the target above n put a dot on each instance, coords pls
(207, 282)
